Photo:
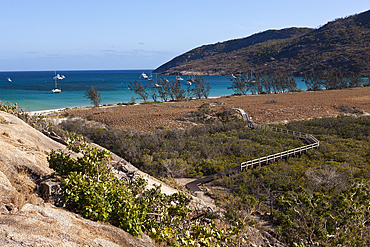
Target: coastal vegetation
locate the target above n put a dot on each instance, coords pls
(93, 94)
(201, 150)
(92, 190)
(35, 120)
(171, 90)
(330, 80)
(340, 45)
(280, 82)
(319, 197)
(260, 83)
(251, 82)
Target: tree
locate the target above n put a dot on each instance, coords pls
(292, 84)
(201, 87)
(94, 95)
(303, 215)
(139, 89)
(206, 89)
(166, 89)
(240, 84)
(257, 81)
(267, 81)
(355, 80)
(177, 90)
(154, 91)
(162, 91)
(313, 81)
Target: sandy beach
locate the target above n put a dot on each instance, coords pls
(46, 112)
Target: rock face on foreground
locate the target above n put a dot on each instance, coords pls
(45, 225)
(25, 220)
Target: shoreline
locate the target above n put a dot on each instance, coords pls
(273, 100)
(43, 112)
(50, 111)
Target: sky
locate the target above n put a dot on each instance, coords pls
(42, 35)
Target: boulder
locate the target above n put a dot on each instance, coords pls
(46, 225)
(51, 190)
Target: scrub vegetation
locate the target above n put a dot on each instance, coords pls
(319, 197)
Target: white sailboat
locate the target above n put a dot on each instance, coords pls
(150, 78)
(57, 77)
(190, 80)
(9, 80)
(178, 78)
(143, 75)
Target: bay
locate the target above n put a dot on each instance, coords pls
(31, 90)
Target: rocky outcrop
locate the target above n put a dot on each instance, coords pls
(28, 220)
(51, 190)
(46, 225)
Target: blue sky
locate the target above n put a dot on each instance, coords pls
(141, 34)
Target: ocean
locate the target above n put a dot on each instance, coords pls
(31, 90)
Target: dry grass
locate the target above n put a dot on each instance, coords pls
(267, 108)
(24, 188)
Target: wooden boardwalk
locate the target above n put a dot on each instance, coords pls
(311, 141)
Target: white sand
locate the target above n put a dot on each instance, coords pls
(45, 112)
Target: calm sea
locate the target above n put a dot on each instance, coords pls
(31, 90)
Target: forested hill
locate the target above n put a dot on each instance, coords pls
(343, 44)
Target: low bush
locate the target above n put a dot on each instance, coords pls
(92, 190)
(203, 149)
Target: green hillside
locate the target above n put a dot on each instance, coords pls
(342, 45)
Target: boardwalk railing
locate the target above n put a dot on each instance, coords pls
(279, 130)
(313, 143)
(281, 155)
(310, 139)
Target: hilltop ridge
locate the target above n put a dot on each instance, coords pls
(339, 44)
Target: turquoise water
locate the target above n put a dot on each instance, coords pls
(32, 90)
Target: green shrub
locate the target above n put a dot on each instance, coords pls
(93, 190)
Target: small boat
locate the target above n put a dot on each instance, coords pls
(233, 76)
(56, 90)
(150, 78)
(143, 75)
(57, 77)
(9, 80)
(190, 80)
(178, 78)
